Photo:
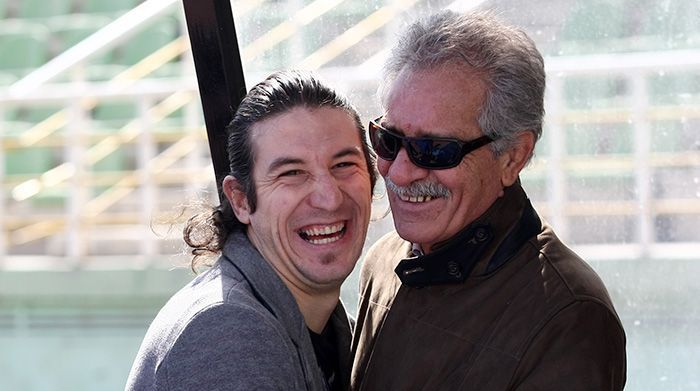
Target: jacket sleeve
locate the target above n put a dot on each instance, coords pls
(582, 347)
(230, 347)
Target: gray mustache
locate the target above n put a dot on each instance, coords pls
(419, 189)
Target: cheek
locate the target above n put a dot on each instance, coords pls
(279, 207)
(358, 193)
(383, 166)
(459, 182)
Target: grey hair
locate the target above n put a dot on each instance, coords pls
(504, 56)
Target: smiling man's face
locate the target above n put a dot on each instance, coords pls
(440, 102)
(313, 196)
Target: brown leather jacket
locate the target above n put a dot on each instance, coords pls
(504, 305)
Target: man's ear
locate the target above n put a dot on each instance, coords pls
(514, 159)
(237, 198)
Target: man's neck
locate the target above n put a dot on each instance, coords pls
(316, 305)
(316, 308)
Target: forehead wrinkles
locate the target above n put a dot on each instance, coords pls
(304, 137)
(450, 96)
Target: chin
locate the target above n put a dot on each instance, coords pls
(328, 281)
(329, 274)
(413, 233)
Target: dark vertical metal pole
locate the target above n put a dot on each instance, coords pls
(217, 61)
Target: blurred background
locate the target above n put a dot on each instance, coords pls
(103, 150)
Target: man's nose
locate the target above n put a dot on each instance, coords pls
(403, 172)
(326, 193)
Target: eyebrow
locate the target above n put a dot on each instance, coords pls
(350, 151)
(284, 160)
(421, 133)
(392, 128)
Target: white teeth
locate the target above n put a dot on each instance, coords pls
(415, 199)
(323, 231)
(324, 240)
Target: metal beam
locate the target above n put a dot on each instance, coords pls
(217, 61)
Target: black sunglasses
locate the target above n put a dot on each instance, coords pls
(434, 153)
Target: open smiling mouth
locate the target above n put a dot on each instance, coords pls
(323, 235)
(415, 200)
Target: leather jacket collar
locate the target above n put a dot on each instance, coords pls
(480, 248)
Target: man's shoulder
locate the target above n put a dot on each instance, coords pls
(578, 279)
(232, 320)
(216, 285)
(236, 336)
(219, 295)
(385, 253)
(214, 313)
(390, 245)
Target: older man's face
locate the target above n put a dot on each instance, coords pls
(442, 102)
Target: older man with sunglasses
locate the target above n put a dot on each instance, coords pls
(473, 291)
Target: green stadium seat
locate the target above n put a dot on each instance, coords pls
(29, 161)
(36, 113)
(109, 117)
(103, 72)
(23, 45)
(115, 161)
(114, 115)
(68, 30)
(4, 9)
(108, 6)
(599, 139)
(176, 118)
(147, 41)
(7, 79)
(43, 8)
(8, 116)
(674, 88)
(12, 127)
(594, 20)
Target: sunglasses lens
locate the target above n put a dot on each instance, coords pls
(431, 153)
(426, 152)
(385, 144)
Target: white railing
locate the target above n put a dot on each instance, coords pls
(636, 70)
